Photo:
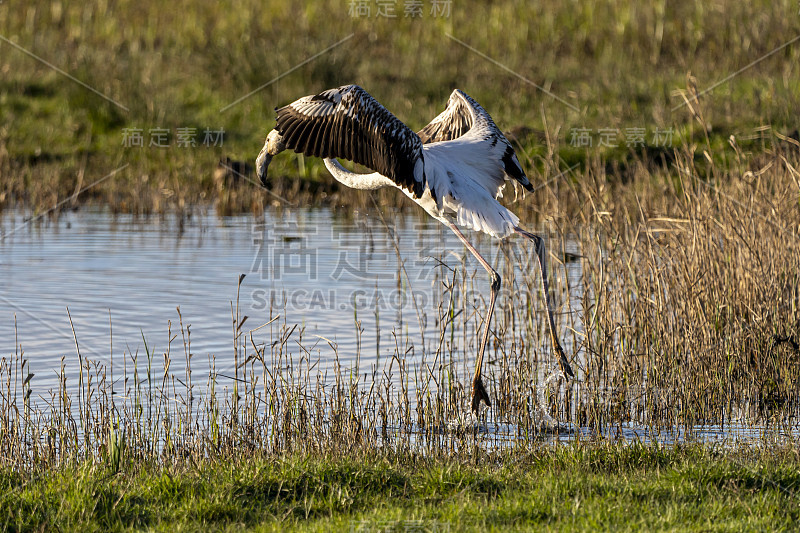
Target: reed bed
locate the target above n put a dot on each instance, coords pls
(691, 291)
(681, 311)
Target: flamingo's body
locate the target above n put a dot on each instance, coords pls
(455, 168)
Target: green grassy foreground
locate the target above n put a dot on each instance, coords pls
(577, 487)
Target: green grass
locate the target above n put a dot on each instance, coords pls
(576, 487)
(611, 64)
(622, 64)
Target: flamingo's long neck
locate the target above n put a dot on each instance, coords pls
(364, 182)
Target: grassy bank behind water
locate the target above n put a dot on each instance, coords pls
(199, 81)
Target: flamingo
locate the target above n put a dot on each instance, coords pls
(455, 168)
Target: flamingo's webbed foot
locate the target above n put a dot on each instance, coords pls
(479, 393)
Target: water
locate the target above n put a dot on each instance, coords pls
(114, 272)
(122, 278)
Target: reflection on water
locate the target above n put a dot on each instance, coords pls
(122, 278)
(116, 274)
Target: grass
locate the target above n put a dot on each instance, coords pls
(612, 65)
(688, 291)
(690, 488)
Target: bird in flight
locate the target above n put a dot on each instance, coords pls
(455, 168)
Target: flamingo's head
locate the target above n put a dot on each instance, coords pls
(272, 146)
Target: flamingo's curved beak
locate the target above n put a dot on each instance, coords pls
(262, 164)
(272, 147)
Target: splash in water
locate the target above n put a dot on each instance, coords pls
(547, 422)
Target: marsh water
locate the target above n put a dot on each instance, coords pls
(121, 280)
(360, 287)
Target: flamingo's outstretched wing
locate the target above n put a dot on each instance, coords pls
(348, 123)
(464, 117)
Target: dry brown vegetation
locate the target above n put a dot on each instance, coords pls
(685, 314)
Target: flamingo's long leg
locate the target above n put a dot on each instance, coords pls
(540, 254)
(478, 390)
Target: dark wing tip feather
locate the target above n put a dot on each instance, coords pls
(512, 168)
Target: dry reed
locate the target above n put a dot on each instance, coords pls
(684, 313)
